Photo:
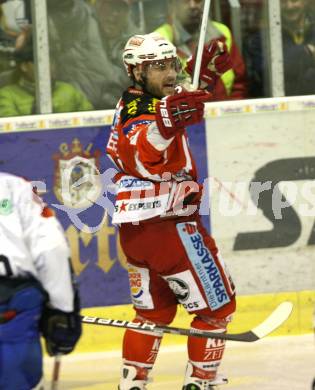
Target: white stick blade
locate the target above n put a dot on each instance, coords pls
(276, 318)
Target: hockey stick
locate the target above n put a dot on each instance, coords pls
(202, 36)
(272, 322)
(55, 375)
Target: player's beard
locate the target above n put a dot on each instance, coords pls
(157, 91)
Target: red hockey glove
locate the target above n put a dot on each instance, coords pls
(215, 61)
(174, 113)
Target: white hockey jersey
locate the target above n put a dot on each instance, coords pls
(33, 242)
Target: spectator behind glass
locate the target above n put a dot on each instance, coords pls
(155, 14)
(15, 16)
(14, 26)
(253, 21)
(183, 31)
(115, 26)
(298, 39)
(298, 36)
(18, 98)
(78, 51)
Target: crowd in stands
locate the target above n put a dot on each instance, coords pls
(86, 38)
(18, 96)
(183, 28)
(298, 40)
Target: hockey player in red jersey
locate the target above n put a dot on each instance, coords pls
(172, 259)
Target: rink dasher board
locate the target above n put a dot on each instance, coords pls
(105, 117)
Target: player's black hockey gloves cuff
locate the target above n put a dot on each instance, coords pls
(61, 330)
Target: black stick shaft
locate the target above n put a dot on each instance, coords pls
(247, 336)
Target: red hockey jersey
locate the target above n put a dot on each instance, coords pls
(157, 175)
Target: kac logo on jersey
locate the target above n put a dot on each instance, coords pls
(77, 181)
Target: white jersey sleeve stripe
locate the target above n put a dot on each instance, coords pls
(188, 166)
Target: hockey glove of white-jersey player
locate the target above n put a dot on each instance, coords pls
(61, 330)
(174, 113)
(216, 60)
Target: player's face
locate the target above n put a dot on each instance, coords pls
(160, 77)
(292, 10)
